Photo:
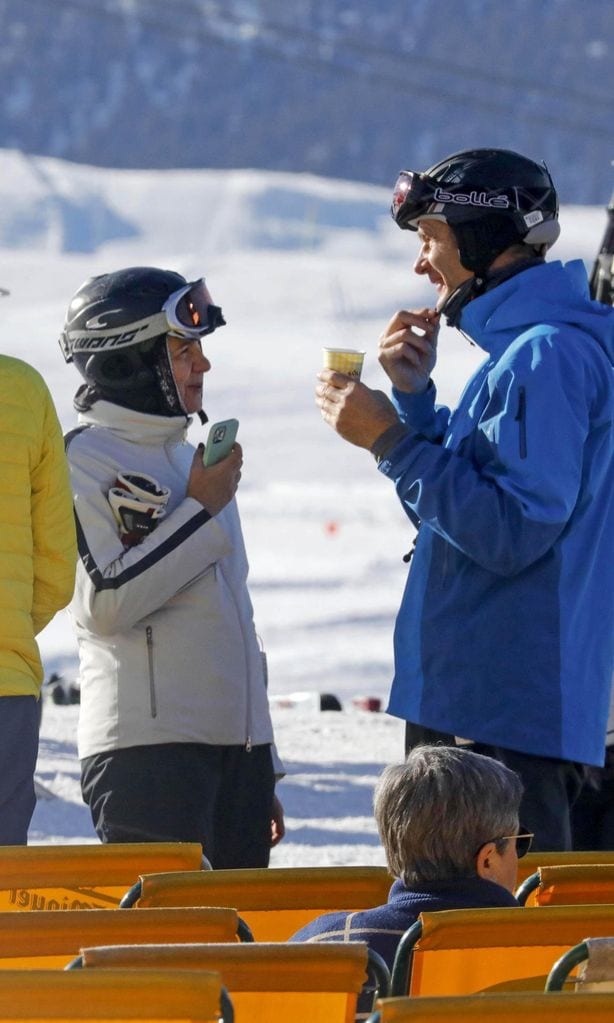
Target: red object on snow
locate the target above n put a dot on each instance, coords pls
(367, 703)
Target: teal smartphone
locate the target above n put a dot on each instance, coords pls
(220, 440)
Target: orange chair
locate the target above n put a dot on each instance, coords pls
(274, 902)
(573, 885)
(267, 982)
(524, 1007)
(51, 940)
(533, 860)
(84, 876)
(124, 995)
(464, 951)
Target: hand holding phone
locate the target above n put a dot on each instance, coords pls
(221, 438)
(213, 483)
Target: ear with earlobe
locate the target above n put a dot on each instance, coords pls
(485, 864)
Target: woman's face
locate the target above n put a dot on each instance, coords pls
(189, 366)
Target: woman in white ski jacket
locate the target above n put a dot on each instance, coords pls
(175, 735)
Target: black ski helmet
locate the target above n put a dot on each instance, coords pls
(116, 331)
(491, 198)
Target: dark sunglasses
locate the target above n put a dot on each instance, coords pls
(524, 840)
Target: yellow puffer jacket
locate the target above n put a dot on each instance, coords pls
(37, 533)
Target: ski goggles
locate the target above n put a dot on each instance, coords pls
(187, 313)
(410, 191)
(190, 312)
(414, 195)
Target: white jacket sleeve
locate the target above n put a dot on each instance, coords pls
(118, 587)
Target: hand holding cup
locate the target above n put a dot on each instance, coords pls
(356, 412)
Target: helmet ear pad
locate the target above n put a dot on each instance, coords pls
(137, 377)
(127, 369)
(119, 370)
(545, 233)
(480, 241)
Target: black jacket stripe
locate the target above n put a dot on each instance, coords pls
(99, 581)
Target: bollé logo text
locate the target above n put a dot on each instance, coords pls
(497, 202)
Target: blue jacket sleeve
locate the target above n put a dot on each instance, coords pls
(503, 485)
(419, 412)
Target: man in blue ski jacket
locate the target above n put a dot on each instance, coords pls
(505, 633)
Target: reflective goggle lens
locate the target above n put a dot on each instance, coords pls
(191, 307)
(401, 190)
(411, 197)
(190, 312)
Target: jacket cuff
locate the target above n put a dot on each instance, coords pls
(388, 440)
(416, 410)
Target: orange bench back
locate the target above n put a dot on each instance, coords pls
(467, 951)
(267, 982)
(60, 877)
(52, 940)
(274, 902)
(128, 995)
(525, 1007)
(576, 884)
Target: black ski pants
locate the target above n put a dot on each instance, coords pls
(219, 796)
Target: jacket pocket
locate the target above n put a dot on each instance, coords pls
(521, 419)
(153, 706)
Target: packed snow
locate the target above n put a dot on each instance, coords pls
(296, 262)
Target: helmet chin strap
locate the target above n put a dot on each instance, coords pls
(168, 385)
(458, 299)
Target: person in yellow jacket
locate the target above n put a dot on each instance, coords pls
(38, 558)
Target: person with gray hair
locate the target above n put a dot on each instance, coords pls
(448, 821)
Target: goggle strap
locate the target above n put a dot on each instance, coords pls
(103, 339)
(117, 337)
(150, 490)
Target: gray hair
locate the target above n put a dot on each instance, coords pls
(437, 809)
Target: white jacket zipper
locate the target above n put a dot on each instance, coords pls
(152, 686)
